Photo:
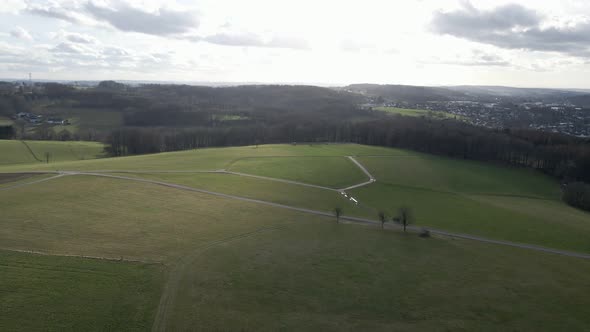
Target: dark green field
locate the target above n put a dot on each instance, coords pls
(52, 293)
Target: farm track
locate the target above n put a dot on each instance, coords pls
(359, 165)
(32, 182)
(280, 180)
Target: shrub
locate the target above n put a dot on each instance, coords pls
(424, 233)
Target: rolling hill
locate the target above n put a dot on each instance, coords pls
(244, 238)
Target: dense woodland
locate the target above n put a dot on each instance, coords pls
(159, 118)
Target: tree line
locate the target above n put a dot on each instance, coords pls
(562, 156)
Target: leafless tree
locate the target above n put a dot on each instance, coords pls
(337, 213)
(405, 216)
(382, 218)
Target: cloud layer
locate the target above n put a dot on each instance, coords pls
(162, 22)
(513, 27)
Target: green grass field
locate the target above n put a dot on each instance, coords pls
(243, 266)
(49, 293)
(333, 172)
(209, 159)
(5, 121)
(418, 112)
(457, 195)
(460, 176)
(271, 191)
(10, 180)
(231, 265)
(321, 276)
(82, 119)
(15, 152)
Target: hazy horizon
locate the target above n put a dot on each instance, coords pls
(520, 43)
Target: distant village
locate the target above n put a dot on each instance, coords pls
(551, 117)
(36, 119)
(27, 88)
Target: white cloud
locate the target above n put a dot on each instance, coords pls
(11, 6)
(80, 38)
(21, 33)
(160, 22)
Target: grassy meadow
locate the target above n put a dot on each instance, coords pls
(333, 172)
(10, 179)
(215, 263)
(82, 119)
(417, 112)
(14, 153)
(5, 121)
(51, 293)
(209, 158)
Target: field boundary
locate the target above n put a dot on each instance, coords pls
(31, 151)
(105, 258)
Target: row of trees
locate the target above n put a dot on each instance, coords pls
(404, 216)
(7, 132)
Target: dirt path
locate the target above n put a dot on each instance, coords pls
(32, 182)
(359, 165)
(280, 180)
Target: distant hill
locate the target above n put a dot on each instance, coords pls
(504, 92)
(417, 94)
(407, 93)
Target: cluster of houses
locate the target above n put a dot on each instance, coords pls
(38, 119)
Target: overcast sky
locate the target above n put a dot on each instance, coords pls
(531, 43)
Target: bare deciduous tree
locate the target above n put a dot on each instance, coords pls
(337, 213)
(405, 216)
(382, 218)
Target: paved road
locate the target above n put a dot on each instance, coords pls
(356, 220)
